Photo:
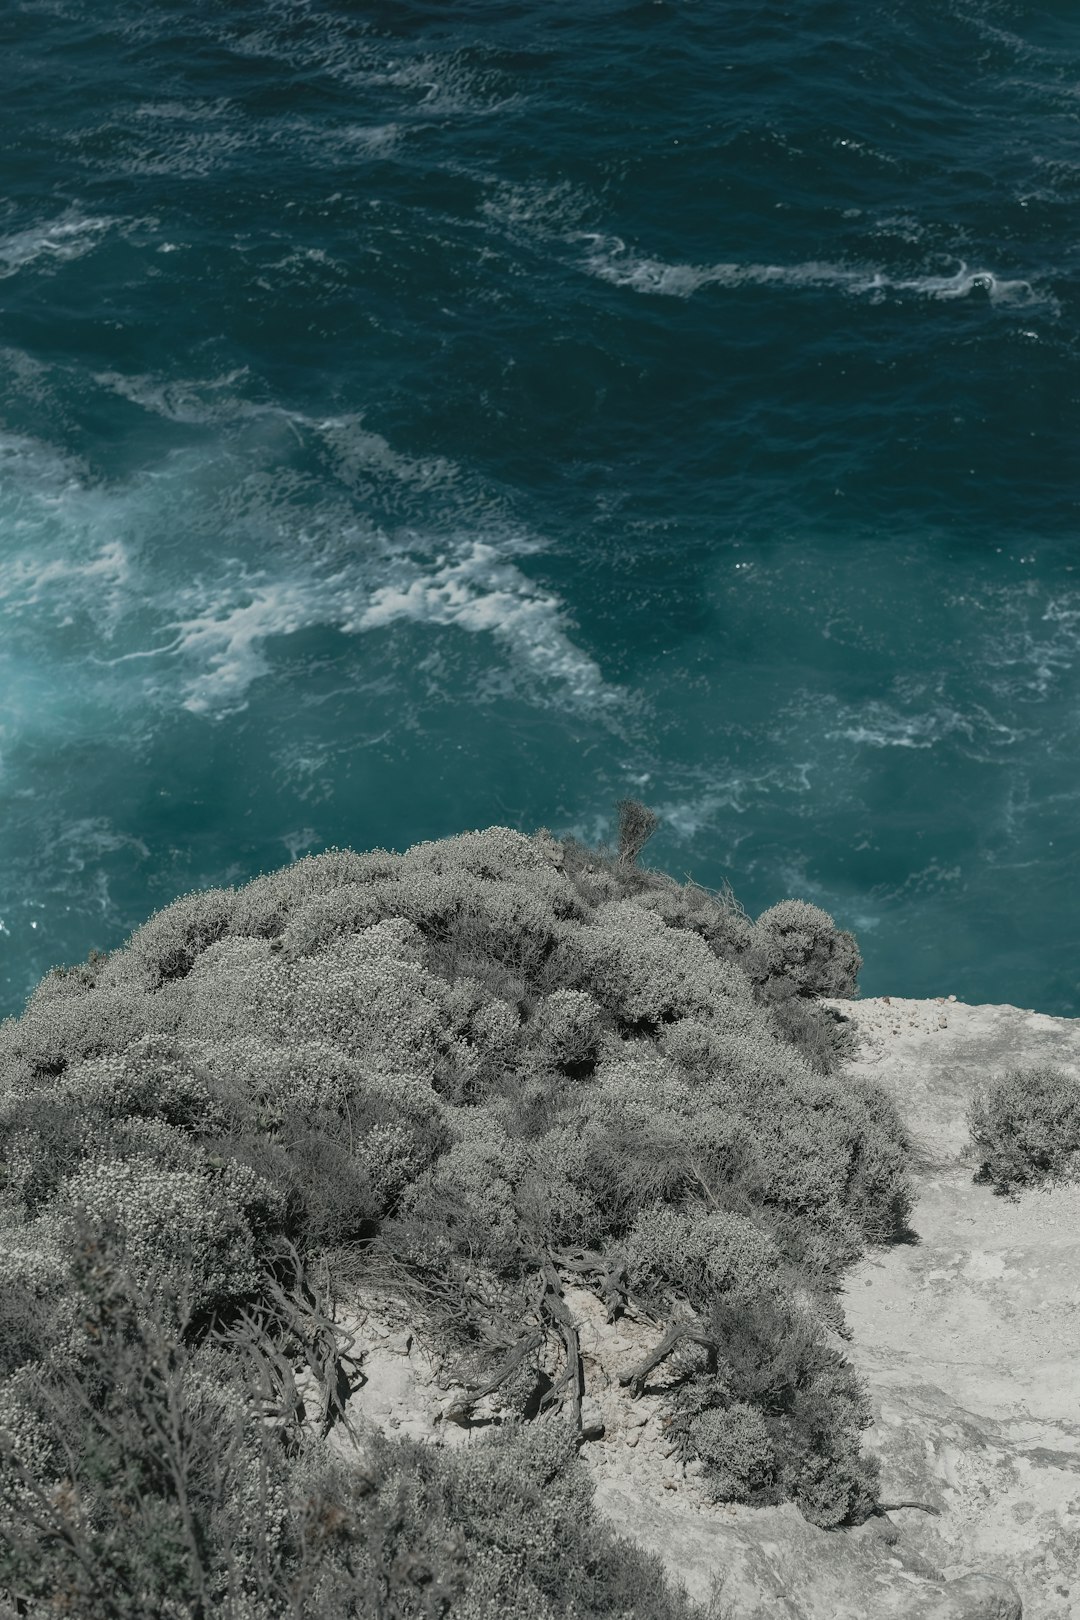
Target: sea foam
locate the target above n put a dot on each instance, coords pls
(609, 259)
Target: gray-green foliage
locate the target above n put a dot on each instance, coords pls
(1026, 1128)
(700, 1256)
(173, 1499)
(504, 1526)
(734, 1441)
(483, 1052)
(799, 942)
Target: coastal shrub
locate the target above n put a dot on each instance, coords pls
(733, 1441)
(718, 919)
(63, 1026)
(1026, 1128)
(637, 823)
(699, 1255)
(138, 1484)
(565, 1032)
(263, 907)
(646, 973)
(153, 1078)
(339, 1139)
(132, 1480)
(822, 1039)
(473, 1190)
(183, 1231)
(801, 943)
(596, 878)
(462, 1070)
(500, 931)
(835, 1159)
(32, 1273)
(41, 1142)
(504, 1526)
(774, 1358)
(493, 853)
(324, 917)
(366, 994)
(740, 1058)
(166, 946)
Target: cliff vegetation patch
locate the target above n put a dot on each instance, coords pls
(468, 1074)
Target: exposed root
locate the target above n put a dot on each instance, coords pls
(326, 1347)
(554, 1306)
(672, 1338)
(614, 1289)
(554, 1314)
(461, 1409)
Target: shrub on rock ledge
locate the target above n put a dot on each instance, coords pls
(1026, 1128)
(472, 1072)
(800, 943)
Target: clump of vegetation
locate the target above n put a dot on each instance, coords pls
(159, 1486)
(1026, 1129)
(467, 1074)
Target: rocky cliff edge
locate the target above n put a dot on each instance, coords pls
(968, 1337)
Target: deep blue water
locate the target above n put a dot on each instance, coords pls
(415, 417)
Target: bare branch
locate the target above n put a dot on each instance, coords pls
(672, 1338)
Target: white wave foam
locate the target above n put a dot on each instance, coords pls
(365, 140)
(479, 591)
(44, 499)
(451, 86)
(932, 879)
(738, 791)
(69, 237)
(79, 555)
(184, 399)
(359, 454)
(476, 590)
(980, 734)
(103, 578)
(609, 259)
(1031, 659)
(537, 206)
(879, 725)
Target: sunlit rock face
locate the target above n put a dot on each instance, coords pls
(967, 1334)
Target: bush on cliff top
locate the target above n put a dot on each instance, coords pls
(1026, 1129)
(493, 1057)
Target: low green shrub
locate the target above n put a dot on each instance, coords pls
(699, 1256)
(800, 943)
(733, 1441)
(565, 1032)
(645, 973)
(143, 1483)
(504, 1526)
(809, 1407)
(637, 823)
(835, 1159)
(1026, 1128)
(467, 1071)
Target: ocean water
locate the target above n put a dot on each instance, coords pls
(420, 416)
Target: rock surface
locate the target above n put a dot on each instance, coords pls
(968, 1337)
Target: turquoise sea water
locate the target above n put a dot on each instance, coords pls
(420, 416)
